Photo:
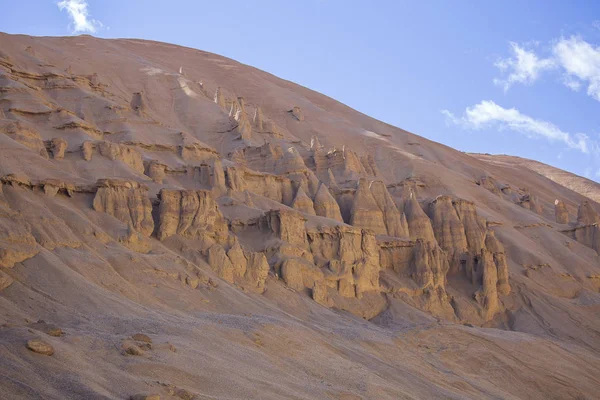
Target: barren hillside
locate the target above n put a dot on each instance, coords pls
(173, 222)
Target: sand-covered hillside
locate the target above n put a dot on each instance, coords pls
(175, 223)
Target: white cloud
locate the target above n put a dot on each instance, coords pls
(524, 67)
(571, 82)
(79, 15)
(489, 114)
(580, 60)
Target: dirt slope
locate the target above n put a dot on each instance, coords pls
(271, 242)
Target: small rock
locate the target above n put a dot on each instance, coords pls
(141, 396)
(184, 394)
(48, 329)
(38, 346)
(140, 337)
(133, 350)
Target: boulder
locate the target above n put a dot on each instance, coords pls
(40, 347)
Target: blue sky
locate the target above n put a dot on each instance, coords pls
(510, 77)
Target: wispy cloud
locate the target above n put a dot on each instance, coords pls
(523, 67)
(488, 114)
(81, 20)
(577, 60)
(581, 61)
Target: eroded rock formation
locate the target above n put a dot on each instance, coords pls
(192, 214)
(561, 213)
(127, 201)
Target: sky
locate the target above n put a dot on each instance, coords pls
(510, 77)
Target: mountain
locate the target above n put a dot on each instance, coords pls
(173, 222)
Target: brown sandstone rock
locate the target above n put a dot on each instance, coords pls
(258, 119)
(219, 97)
(138, 102)
(287, 226)
(325, 205)
(156, 171)
(560, 212)
(474, 225)
(140, 337)
(588, 235)
(87, 150)
(487, 296)
(299, 274)
(57, 147)
(419, 225)
(192, 214)
(144, 396)
(448, 229)
(5, 281)
(586, 214)
(40, 347)
(121, 152)
(494, 246)
(365, 210)
(395, 222)
(303, 203)
(48, 329)
(297, 113)
(16, 242)
(24, 133)
(127, 201)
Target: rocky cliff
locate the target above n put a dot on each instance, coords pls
(223, 208)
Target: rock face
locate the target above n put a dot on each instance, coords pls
(126, 201)
(16, 243)
(274, 187)
(236, 265)
(325, 205)
(192, 214)
(87, 150)
(57, 147)
(24, 134)
(587, 215)
(494, 246)
(419, 225)
(288, 226)
(297, 113)
(303, 203)
(395, 222)
(5, 280)
(561, 213)
(365, 210)
(448, 229)
(156, 171)
(588, 235)
(120, 152)
(487, 296)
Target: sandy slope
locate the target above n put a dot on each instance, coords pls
(79, 269)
